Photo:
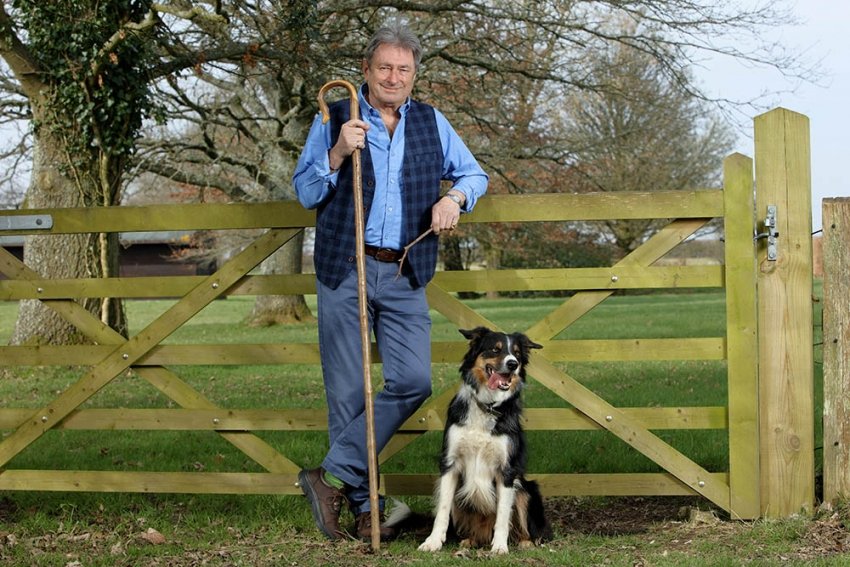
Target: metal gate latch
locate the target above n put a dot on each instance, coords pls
(770, 233)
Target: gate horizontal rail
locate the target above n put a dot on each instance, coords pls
(704, 203)
(535, 419)
(579, 350)
(555, 279)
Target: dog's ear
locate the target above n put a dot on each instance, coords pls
(526, 345)
(529, 343)
(474, 334)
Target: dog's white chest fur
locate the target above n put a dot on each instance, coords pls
(477, 454)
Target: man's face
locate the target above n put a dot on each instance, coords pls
(389, 76)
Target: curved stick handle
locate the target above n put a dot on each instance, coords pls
(323, 107)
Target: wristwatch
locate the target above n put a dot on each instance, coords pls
(454, 198)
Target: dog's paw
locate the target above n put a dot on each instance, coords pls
(499, 548)
(432, 544)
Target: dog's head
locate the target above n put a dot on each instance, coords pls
(494, 365)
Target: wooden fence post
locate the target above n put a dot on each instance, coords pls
(836, 349)
(786, 372)
(741, 338)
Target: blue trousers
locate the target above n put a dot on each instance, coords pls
(399, 318)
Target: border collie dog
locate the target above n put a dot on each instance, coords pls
(481, 488)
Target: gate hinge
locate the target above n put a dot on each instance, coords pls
(770, 233)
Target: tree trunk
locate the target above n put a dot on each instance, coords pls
(450, 253)
(494, 257)
(453, 260)
(281, 309)
(66, 255)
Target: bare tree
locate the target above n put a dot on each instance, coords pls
(86, 83)
(80, 79)
(236, 79)
(641, 132)
(236, 127)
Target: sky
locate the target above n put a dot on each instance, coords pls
(823, 33)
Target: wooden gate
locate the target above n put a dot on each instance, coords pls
(768, 417)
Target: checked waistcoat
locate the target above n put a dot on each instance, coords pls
(334, 253)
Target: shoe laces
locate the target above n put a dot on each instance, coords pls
(335, 500)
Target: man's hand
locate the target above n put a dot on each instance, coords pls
(444, 214)
(352, 136)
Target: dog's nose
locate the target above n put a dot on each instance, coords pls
(512, 364)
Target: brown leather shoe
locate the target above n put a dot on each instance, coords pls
(363, 527)
(325, 500)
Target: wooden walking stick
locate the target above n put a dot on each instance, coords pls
(359, 225)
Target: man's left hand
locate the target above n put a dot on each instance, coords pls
(444, 215)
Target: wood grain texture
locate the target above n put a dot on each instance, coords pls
(836, 349)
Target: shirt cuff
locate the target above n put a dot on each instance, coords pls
(465, 207)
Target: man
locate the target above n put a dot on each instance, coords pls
(407, 148)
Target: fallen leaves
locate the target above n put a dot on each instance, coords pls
(153, 537)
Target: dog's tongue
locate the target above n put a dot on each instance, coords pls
(495, 381)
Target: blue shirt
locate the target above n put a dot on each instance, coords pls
(314, 181)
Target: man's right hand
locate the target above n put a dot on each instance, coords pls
(352, 136)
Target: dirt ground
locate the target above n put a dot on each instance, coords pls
(684, 520)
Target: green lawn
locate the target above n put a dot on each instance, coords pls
(105, 529)
(690, 383)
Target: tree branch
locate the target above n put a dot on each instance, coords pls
(19, 58)
(121, 34)
(232, 190)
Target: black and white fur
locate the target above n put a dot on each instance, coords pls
(481, 488)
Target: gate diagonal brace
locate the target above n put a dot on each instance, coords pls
(604, 414)
(628, 429)
(129, 352)
(649, 252)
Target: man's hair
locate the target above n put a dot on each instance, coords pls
(395, 34)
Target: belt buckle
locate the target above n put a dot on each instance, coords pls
(385, 255)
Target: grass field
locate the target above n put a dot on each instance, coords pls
(113, 529)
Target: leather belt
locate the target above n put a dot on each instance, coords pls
(383, 254)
